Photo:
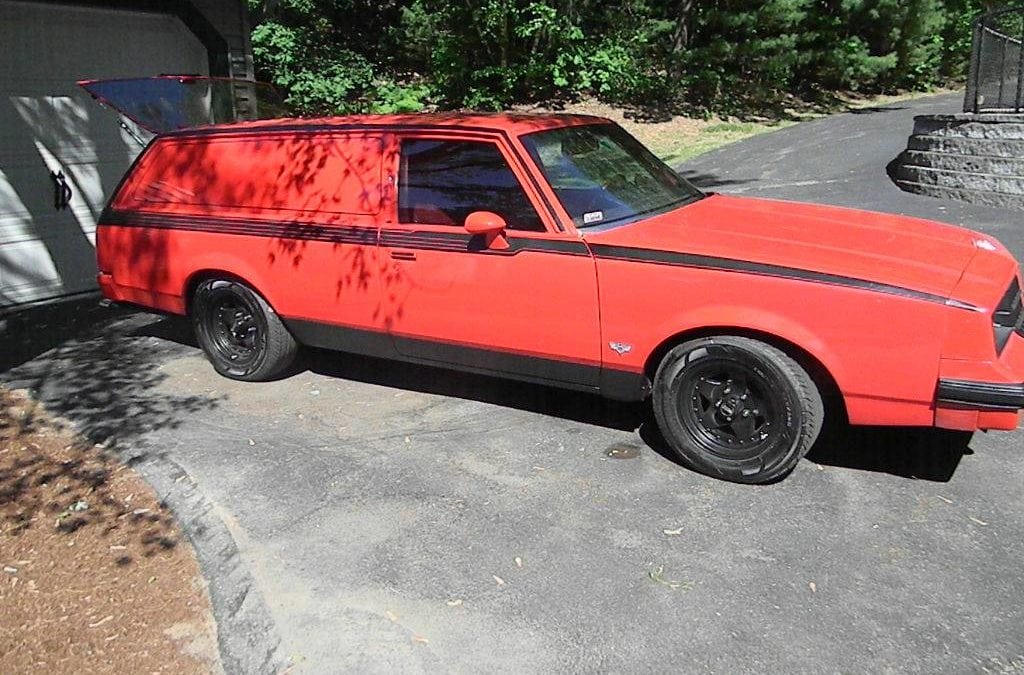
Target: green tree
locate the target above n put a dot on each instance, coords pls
(714, 55)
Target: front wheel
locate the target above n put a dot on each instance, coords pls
(736, 408)
(241, 335)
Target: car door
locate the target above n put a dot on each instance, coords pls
(524, 304)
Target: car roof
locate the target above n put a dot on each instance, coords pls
(514, 123)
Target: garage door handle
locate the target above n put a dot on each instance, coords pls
(403, 255)
(61, 191)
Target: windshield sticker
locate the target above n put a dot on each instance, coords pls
(593, 217)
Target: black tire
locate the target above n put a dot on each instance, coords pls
(736, 408)
(241, 335)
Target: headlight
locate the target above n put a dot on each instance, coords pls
(1008, 317)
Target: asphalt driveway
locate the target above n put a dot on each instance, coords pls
(372, 517)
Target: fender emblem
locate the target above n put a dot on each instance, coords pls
(620, 347)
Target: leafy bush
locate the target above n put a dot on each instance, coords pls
(319, 77)
(337, 56)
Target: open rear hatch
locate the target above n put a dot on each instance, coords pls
(171, 102)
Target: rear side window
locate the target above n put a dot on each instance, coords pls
(307, 173)
(442, 182)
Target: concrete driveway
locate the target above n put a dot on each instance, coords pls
(371, 517)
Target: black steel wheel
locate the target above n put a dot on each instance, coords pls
(736, 408)
(240, 334)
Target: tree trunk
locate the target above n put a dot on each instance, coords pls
(681, 35)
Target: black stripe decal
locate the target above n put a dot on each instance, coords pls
(459, 242)
(620, 385)
(764, 269)
(462, 242)
(455, 242)
(341, 234)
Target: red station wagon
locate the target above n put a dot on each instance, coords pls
(557, 249)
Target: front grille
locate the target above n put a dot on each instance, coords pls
(1009, 316)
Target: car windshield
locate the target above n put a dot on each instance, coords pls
(603, 175)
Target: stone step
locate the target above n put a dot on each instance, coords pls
(986, 197)
(990, 182)
(1002, 166)
(991, 147)
(936, 125)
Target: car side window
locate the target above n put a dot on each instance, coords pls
(442, 182)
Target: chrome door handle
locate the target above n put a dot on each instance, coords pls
(403, 255)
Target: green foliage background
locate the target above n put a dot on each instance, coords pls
(721, 56)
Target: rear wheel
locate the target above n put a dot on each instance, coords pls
(736, 408)
(241, 335)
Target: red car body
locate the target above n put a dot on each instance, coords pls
(912, 322)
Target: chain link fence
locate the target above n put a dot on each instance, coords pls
(996, 76)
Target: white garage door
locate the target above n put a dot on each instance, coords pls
(47, 124)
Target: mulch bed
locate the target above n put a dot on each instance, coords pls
(95, 575)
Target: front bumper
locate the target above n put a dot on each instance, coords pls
(981, 394)
(969, 395)
(970, 405)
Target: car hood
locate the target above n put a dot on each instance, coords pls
(911, 253)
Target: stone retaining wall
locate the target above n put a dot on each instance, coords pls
(974, 158)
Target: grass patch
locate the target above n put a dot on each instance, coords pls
(709, 138)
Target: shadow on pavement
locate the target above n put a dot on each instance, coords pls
(173, 328)
(706, 181)
(82, 362)
(867, 110)
(917, 453)
(77, 363)
(567, 404)
(893, 167)
(30, 332)
(921, 453)
(910, 452)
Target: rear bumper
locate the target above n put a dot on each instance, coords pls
(145, 299)
(107, 287)
(968, 395)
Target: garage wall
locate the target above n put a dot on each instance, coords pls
(229, 19)
(48, 124)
